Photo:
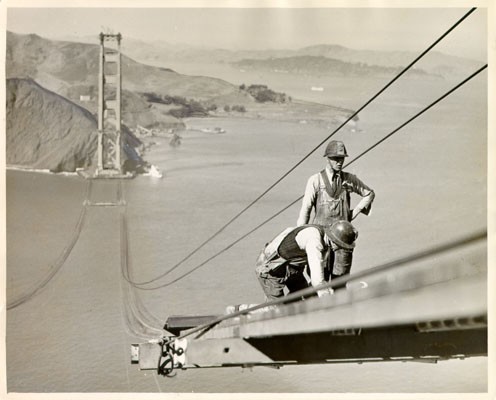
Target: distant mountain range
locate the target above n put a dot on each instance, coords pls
(59, 65)
(321, 59)
(53, 93)
(434, 63)
(319, 65)
(70, 70)
(52, 101)
(359, 61)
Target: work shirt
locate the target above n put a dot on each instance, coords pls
(311, 247)
(329, 207)
(316, 247)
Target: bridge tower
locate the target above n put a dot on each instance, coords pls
(109, 107)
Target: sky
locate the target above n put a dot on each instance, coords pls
(411, 29)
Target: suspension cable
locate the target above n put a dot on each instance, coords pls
(60, 261)
(299, 198)
(215, 255)
(342, 280)
(235, 217)
(418, 114)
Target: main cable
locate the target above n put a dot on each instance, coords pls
(60, 261)
(126, 278)
(418, 114)
(298, 199)
(253, 202)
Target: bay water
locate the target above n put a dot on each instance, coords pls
(430, 184)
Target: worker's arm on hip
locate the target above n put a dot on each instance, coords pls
(364, 206)
(360, 188)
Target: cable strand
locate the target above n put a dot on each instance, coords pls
(342, 280)
(253, 202)
(295, 201)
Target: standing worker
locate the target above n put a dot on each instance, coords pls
(328, 192)
(283, 261)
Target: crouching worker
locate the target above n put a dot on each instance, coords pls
(324, 252)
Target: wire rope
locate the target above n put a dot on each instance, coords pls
(295, 201)
(434, 251)
(215, 255)
(139, 320)
(253, 202)
(57, 265)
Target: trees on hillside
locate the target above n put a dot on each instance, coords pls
(262, 94)
(187, 107)
(195, 108)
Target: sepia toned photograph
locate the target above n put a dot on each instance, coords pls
(247, 198)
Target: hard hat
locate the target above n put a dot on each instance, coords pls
(342, 233)
(335, 148)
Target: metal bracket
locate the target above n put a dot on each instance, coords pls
(135, 353)
(172, 356)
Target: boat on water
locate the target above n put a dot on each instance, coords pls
(213, 130)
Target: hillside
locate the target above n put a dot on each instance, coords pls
(57, 65)
(46, 131)
(71, 70)
(435, 63)
(318, 65)
(53, 94)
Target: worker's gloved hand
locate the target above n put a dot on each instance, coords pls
(324, 292)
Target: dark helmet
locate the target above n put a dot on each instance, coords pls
(342, 233)
(335, 148)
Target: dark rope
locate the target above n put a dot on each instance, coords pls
(221, 229)
(298, 199)
(342, 280)
(418, 114)
(215, 255)
(57, 265)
